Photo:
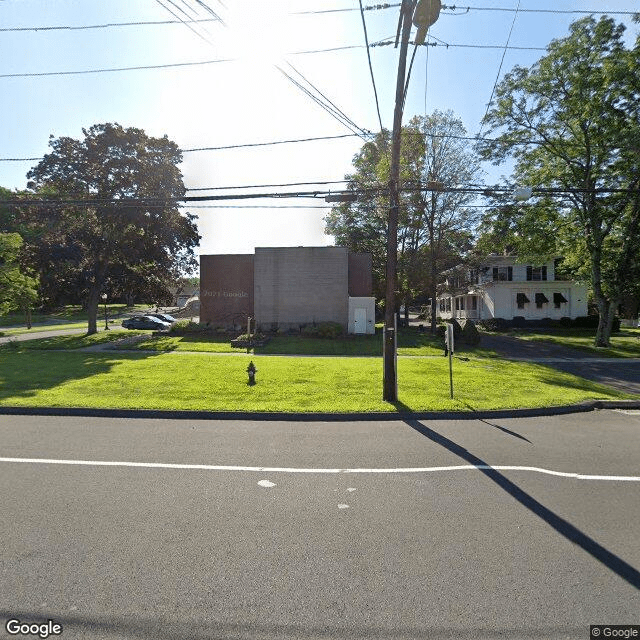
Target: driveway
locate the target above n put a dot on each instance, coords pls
(620, 373)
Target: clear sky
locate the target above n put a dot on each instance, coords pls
(244, 98)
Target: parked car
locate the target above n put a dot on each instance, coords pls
(145, 322)
(165, 317)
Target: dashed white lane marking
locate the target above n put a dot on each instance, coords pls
(343, 506)
(216, 467)
(266, 483)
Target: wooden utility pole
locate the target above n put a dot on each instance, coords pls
(426, 13)
(390, 382)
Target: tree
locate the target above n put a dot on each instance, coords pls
(435, 223)
(123, 217)
(572, 123)
(17, 289)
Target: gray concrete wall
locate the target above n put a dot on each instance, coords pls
(294, 286)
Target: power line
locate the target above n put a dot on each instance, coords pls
(495, 84)
(114, 69)
(328, 106)
(372, 191)
(262, 186)
(373, 80)
(345, 135)
(107, 25)
(369, 8)
(186, 24)
(111, 25)
(261, 206)
(264, 144)
(209, 62)
(559, 11)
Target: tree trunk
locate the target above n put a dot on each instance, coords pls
(434, 294)
(607, 311)
(27, 316)
(93, 300)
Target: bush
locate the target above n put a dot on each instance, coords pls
(591, 322)
(565, 322)
(470, 334)
(586, 322)
(187, 327)
(518, 322)
(324, 330)
(457, 329)
(495, 324)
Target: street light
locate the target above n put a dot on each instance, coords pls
(104, 299)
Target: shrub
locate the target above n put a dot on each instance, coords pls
(518, 322)
(495, 324)
(470, 333)
(565, 322)
(457, 329)
(324, 330)
(186, 327)
(586, 322)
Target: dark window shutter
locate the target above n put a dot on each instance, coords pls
(529, 272)
(544, 272)
(510, 272)
(495, 273)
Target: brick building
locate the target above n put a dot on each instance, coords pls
(287, 288)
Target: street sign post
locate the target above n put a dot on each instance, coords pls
(449, 343)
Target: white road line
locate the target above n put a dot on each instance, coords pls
(216, 467)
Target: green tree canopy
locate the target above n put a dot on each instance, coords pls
(572, 123)
(435, 224)
(17, 289)
(124, 219)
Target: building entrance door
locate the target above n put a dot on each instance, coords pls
(360, 321)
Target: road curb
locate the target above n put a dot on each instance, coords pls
(320, 417)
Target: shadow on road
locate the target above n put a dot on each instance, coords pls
(564, 528)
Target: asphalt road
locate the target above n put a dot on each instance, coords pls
(321, 530)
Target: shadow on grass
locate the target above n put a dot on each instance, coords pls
(24, 373)
(616, 564)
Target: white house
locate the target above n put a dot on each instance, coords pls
(506, 288)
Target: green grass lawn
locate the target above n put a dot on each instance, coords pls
(410, 342)
(195, 381)
(75, 341)
(69, 315)
(624, 344)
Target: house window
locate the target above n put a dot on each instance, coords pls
(558, 299)
(540, 300)
(460, 301)
(503, 273)
(448, 304)
(536, 273)
(521, 299)
(474, 303)
(473, 276)
(442, 304)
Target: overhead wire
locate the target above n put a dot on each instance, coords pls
(328, 106)
(495, 84)
(111, 25)
(373, 80)
(186, 24)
